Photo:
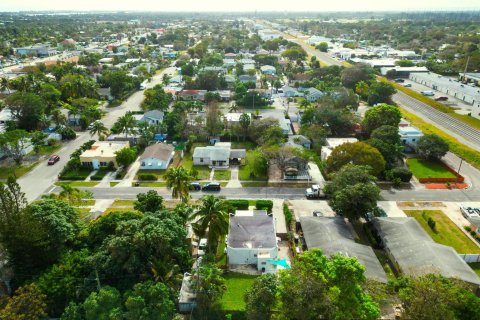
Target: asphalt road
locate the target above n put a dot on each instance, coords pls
(40, 179)
(468, 195)
(462, 131)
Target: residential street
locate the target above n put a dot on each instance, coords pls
(41, 178)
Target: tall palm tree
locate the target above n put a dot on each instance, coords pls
(178, 179)
(127, 123)
(211, 220)
(234, 107)
(98, 128)
(5, 84)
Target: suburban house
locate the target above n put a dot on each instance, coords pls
(268, 69)
(225, 95)
(299, 77)
(295, 168)
(312, 94)
(290, 92)
(266, 93)
(332, 143)
(299, 141)
(178, 79)
(284, 123)
(252, 240)
(230, 56)
(409, 136)
(332, 236)
(228, 63)
(230, 80)
(153, 117)
(195, 95)
(414, 253)
(233, 118)
(245, 78)
(101, 153)
(157, 156)
(220, 155)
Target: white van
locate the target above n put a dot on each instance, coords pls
(428, 93)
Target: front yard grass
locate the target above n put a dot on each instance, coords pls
(123, 203)
(78, 183)
(158, 173)
(187, 163)
(49, 150)
(446, 232)
(150, 184)
(428, 169)
(222, 175)
(237, 285)
(16, 171)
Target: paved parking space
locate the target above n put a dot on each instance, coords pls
(391, 208)
(305, 208)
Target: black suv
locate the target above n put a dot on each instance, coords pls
(195, 186)
(211, 186)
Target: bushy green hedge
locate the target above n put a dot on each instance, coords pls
(147, 177)
(404, 174)
(288, 215)
(264, 205)
(238, 204)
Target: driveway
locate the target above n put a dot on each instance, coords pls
(130, 176)
(317, 177)
(305, 208)
(233, 182)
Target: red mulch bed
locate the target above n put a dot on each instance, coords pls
(445, 186)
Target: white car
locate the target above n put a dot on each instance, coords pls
(469, 212)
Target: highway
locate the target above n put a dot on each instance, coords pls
(40, 179)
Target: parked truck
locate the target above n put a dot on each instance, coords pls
(315, 192)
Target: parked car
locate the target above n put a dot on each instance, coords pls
(399, 80)
(314, 192)
(53, 159)
(195, 186)
(211, 186)
(428, 93)
(407, 85)
(441, 98)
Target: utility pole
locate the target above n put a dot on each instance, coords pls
(458, 171)
(465, 70)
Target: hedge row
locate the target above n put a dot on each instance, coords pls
(147, 177)
(239, 204)
(264, 205)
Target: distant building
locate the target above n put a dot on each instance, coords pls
(194, 95)
(268, 69)
(37, 50)
(153, 117)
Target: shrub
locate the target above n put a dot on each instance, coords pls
(238, 204)
(97, 177)
(473, 233)
(67, 133)
(467, 228)
(264, 205)
(431, 223)
(404, 174)
(288, 215)
(147, 177)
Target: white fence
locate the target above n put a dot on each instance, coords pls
(469, 258)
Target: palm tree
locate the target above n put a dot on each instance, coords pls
(234, 107)
(178, 179)
(97, 127)
(5, 84)
(127, 124)
(211, 220)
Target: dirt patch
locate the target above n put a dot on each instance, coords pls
(420, 204)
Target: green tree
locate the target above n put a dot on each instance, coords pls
(260, 299)
(381, 115)
(359, 72)
(244, 124)
(318, 286)
(211, 221)
(149, 301)
(127, 124)
(156, 99)
(178, 179)
(98, 128)
(38, 139)
(28, 303)
(104, 305)
(322, 46)
(148, 202)
(380, 92)
(358, 153)
(387, 140)
(126, 156)
(13, 144)
(431, 147)
(27, 109)
(210, 288)
(352, 191)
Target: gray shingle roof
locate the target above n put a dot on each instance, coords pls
(255, 231)
(417, 254)
(333, 236)
(212, 152)
(161, 151)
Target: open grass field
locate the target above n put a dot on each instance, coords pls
(428, 169)
(446, 232)
(237, 284)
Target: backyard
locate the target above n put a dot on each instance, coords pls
(428, 169)
(237, 284)
(246, 171)
(446, 232)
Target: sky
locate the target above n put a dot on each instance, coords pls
(236, 5)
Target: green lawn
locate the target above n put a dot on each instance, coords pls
(158, 173)
(49, 150)
(222, 174)
(237, 284)
(476, 267)
(122, 203)
(221, 257)
(428, 169)
(150, 184)
(187, 163)
(446, 233)
(80, 174)
(248, 145)
(78, 183)
(113, 184)
(16, 171)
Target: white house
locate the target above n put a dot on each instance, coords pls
(252, 240)
(101, 153)
(218, 155)
(313, 94)
(409, 135)
(153, 117)
(268, 69)
(158, 156)
(332, 143)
